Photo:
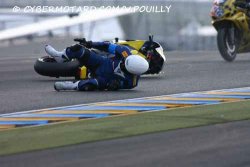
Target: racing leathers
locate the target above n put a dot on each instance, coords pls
(106, 73)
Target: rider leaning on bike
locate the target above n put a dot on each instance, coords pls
(120, 72)
(244, 4)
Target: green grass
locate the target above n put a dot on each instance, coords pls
(68, 133)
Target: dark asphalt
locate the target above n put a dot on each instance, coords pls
(222, 145)
(217, 145)
(22, 89)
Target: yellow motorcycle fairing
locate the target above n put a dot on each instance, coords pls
(135, 45)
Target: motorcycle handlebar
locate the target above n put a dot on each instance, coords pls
(150, 38)
(80, 40)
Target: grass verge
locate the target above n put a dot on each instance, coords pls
(69, 133)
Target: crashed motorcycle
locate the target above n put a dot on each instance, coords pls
(48, 66)
(231, 20)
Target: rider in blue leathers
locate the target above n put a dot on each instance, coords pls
(122, 71)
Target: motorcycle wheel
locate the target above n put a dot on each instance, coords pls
(47, 66)
(227, 47)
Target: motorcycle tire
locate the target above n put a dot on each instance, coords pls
(47, 66)
(227, 51)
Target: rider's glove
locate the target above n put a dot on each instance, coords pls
(88, 44)
(82, 41)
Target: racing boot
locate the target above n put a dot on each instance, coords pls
(67, 85)
(60, 57)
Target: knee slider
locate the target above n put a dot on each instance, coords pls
(75, 48)
(75, 51)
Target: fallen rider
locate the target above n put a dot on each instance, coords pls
(122, 71)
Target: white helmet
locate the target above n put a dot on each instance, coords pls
(135, 64)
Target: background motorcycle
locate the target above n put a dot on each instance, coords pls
(232, 23)
(47, 66)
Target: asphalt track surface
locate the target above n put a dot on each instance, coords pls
(22, 89)
(218, 145)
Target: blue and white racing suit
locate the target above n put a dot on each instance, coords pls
(106, 71)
